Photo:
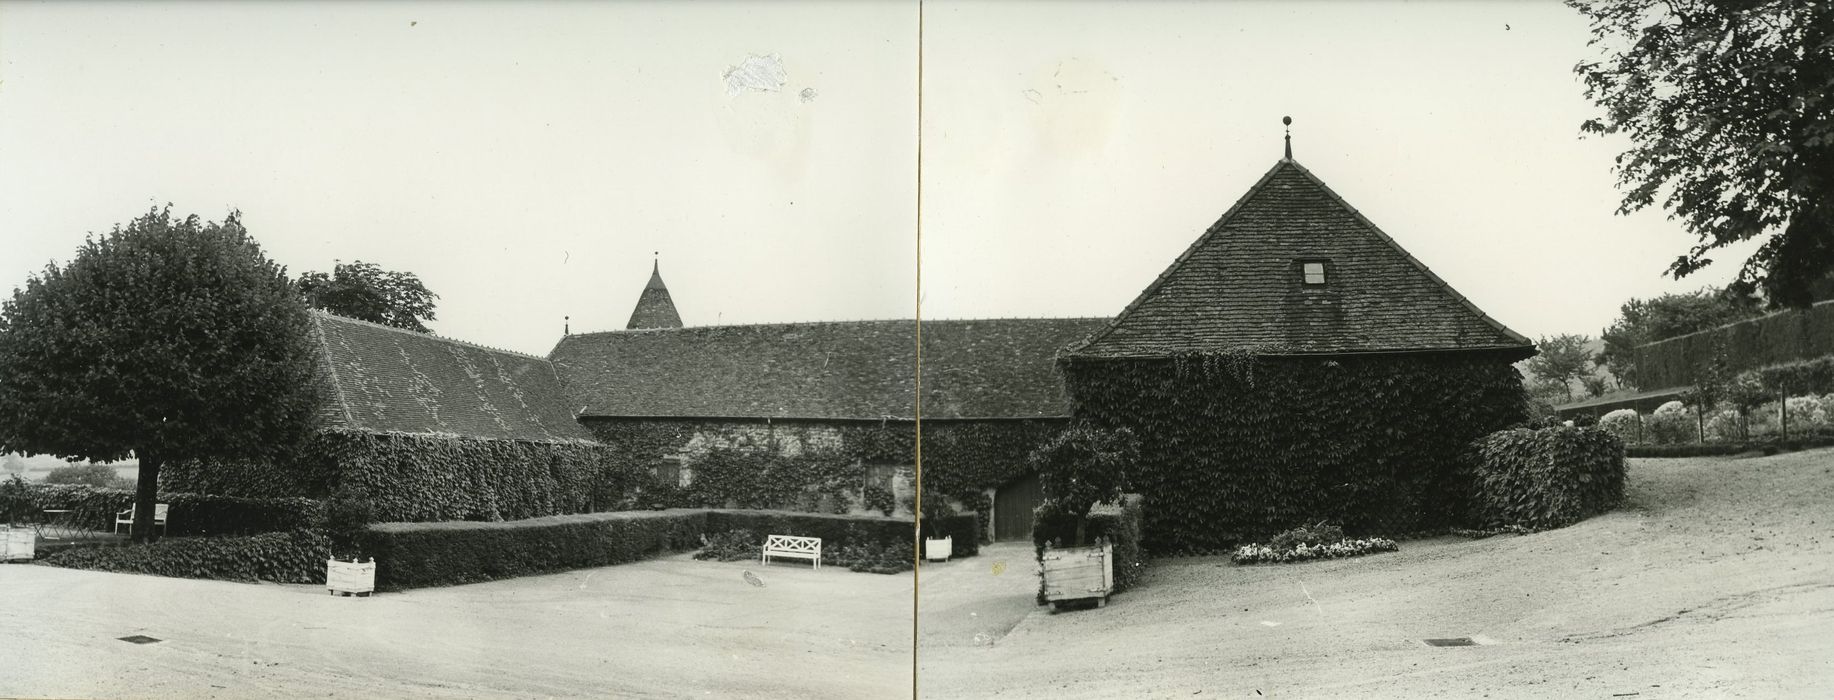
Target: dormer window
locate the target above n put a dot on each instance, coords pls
(1313, 272)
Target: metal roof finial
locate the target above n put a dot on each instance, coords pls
(1288, 121)
(566, 325)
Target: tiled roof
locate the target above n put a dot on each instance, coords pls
(1240, 286)
(655, 309)
(1002, 368)
(391, 380)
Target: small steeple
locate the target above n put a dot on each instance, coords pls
(1288, 121)
(655, 309)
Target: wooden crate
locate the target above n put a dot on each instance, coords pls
(350, 577)
(18, 544)
(939, 549)
(1078, 573)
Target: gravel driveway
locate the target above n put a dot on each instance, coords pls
(1715, 580)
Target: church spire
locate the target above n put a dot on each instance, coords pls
(655, 309)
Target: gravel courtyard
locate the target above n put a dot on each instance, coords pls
(1715, 580)
(670, 627)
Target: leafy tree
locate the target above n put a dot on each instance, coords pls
(97, 475)
(1727, 104)
(1642, 321)
(1084, 466)
(166, 339)
(366, 292)
(1563, 360)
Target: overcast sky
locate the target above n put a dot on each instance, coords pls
(526, 160)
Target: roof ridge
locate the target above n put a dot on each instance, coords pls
(418, 334)
(855, 322)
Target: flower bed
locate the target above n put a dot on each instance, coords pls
(1266, 554)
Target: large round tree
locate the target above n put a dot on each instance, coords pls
(166, 339)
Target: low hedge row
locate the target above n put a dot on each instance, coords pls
(1715, 449)
(1122, 525)
(187, 513)
(415, 555)
(284, 557)
(1546, 478)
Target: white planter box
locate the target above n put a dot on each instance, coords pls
(350, 577)
(939, 550)
(18, 544)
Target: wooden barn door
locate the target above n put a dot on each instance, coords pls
(1012, 508)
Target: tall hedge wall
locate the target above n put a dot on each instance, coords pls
(1238, 448)
(1767, 340)
(419, 478)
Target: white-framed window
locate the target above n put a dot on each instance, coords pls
(1313, 272)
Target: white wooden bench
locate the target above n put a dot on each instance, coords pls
(126, 517)
(791, 546)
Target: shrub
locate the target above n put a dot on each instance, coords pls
(881, 500)
(1672, 423)
(1725, 426)
(871, 557)
(344, 517)
(1547, 478)
(1084, 466)
(1121, 526)
(731, 545)
(1308, 536)
(284, 557)
(1272, 553)
(1805, 412)
(1622, 423)
(413, 555)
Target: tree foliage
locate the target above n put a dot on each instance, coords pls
(1084, 466)
(366, 292)
(1563, 360)
(1642, 321)
(169, 338)
(97, 475)
(1728, 105)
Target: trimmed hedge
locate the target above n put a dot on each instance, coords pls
(1780, 338)
(188, 513)
(1121, 525)
(415, 555)
(1546, 478)
(284, 557)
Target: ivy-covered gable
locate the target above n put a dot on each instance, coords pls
(1292, 269)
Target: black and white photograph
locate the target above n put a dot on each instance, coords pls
(917, 349)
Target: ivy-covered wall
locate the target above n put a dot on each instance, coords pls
(1236, 448)
(779, 464)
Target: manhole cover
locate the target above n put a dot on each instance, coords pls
(138, 639)
(1450, 642)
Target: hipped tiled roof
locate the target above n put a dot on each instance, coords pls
(1239, 286)
(655, 308)
(391, 380)
(1001, 368)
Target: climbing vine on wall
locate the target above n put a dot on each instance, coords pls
(1233, 453)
